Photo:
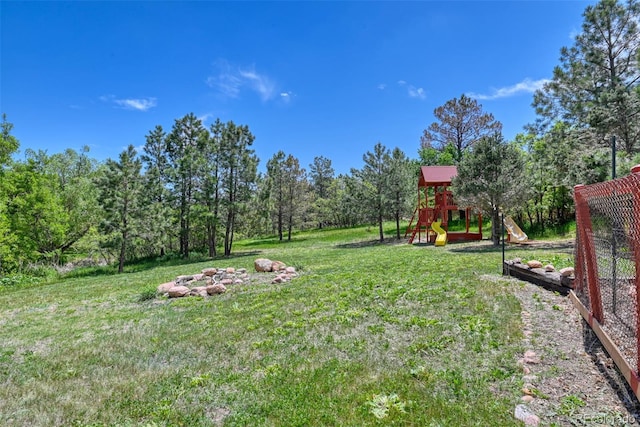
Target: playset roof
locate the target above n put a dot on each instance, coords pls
(436, 175)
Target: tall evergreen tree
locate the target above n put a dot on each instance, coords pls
(490, 177)
(294, 190)
(238, 168)
(209, 191)
(277, 190)
(184, 144)
(461, 123)
(121, 196)
(156, 195)
(401, 183)
(374, 179)
(595, 87)
(321, 174)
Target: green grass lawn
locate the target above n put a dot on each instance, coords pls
(369, 334)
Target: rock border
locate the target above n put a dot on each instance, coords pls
(214, 281)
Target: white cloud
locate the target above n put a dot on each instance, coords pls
(139, 104)
(231, 79)
(382, 86)
(415, 92)
(287, 97)
(525, 86)
(412, 91)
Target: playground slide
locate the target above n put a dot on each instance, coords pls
(517, 235)
(441, 238)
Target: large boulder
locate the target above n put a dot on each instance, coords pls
(263, 265)
(164, 288)
(218, 288)
(178, 291)
(210, 271)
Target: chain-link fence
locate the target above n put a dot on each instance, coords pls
(608, 261)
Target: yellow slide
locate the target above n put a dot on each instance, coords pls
(516, 232)
(441, 238)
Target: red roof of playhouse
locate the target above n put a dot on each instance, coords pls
(436, 175)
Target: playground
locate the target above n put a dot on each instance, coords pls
(606, 288)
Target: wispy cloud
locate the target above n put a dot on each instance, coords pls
(287, 97)
(412, 91)
(416, 92)
(139, 104)
(382, 86)
(230, 80)
(525, 86)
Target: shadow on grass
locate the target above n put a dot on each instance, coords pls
(369, 243)
(144, 264)
(489, 247)
(273, 241)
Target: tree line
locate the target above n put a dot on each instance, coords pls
(191, 188)
(197, 189)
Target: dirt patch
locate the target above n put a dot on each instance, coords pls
(571, 380)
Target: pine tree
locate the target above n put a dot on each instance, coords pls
(121, 197)
(490, 177)
(461, 123)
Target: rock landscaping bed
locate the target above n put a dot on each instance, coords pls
(213, 281)
(546, 276)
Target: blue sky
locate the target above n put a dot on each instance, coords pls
(309, 78)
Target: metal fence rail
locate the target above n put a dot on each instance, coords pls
(607, 267)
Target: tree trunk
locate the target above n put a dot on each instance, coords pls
(495, 227)
(123, 250)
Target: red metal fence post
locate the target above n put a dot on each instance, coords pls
(585, 227)
(636, 257)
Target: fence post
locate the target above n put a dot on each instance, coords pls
(584, 227)
(636, 258)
